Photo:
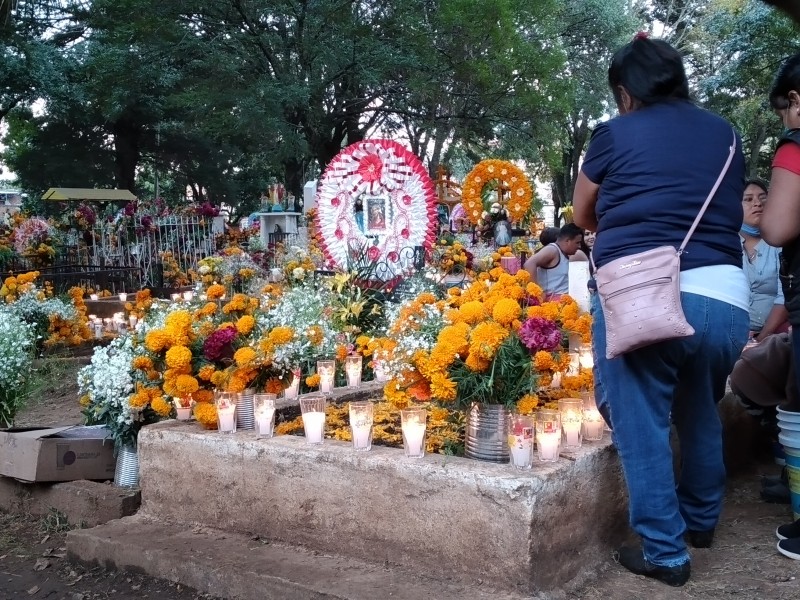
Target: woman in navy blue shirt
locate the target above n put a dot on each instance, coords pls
(645, 177)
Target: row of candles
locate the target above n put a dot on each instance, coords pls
(123, 296)
(576, 419)
(312, 407)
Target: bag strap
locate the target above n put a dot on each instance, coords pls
(710, 194)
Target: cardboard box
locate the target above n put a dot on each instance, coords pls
(57, 454)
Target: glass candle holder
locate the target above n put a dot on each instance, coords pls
(188, 296)
(93, 297)
(264, 411)
(412, 423)
(313, 408)
(352, 368)
(294, 387)
(226, 411)
(123, 297)
(379, 368)
(132, 321)
(326, 369)
(593, 424)
(571, 410)
(520, 440)
(361, 424)
(183, 408)
(175, 297)
(548, 435)
(586, 357)
(574, 364)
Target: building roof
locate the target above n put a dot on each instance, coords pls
(89, 194)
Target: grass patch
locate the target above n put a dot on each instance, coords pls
(54, 522)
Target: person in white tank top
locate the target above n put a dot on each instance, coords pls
(549, 268)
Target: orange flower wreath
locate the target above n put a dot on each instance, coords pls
(510, 177)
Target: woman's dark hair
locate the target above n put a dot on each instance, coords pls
(760, 183)
(651, 70)
(548, 236)
(787, 80)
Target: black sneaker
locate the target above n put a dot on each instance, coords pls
(633, 560)
(790, 548)
(788, 532)
(701, 539)
(776, 493)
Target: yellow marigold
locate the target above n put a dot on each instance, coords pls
(439, 414)
(186, 384)
(395, 395)
(245, 355)
(161, 407)
(203, 396)
(476, 363)
(543, 361)
(85, 400)
(426, 298)
(235, 384)
(209, 309)
(486, 339)
(473, 312)
(156, 340)
(205, 372)
(245, 324)
(206, 414)
(443, 388)
(218, 378)
(312, 381)
(527, 404)
(315, 334)
(178, 357)
(139, 400)
(506, 311)
(143, 363)
(215, 292)
(341, 352)
(281, 335)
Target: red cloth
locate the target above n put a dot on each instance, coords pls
(788, 157)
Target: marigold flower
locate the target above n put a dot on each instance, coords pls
(156, 340)
(527, 404)
(206, 414)
(205, 372)
(506, 311)
(281, 335)
(245, 355)
(245, 324)
(312, 381)
(178, 357)
(186, 384)
(473, 312)
(215, 292)
(203, 396)
(143, 363)
(161, 407)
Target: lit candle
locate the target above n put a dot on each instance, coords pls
(123, 297)
(571, 410)
(175, 297)
(361, 434)
(380, 370)
(264, 417)
(92, 318)
(572, 432)
(188, 296)
(593, 424)
(521, 446)
(547, 444)
(556, 383)
(326, 369)
(314, 425)
(133, 320)
(93, 296)
(586, 358)
(413, 434)
(352, 369)
(227, 419)
(98, 330)
(291, 391)
(361, 424)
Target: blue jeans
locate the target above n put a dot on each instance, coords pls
(678, 381)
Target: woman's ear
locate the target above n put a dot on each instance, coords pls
(625, 104)
(794, 101)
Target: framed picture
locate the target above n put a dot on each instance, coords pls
(502, 233)
(377, 214)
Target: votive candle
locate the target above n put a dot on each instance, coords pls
(326, 370)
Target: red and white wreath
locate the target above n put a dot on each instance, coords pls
(393, 192)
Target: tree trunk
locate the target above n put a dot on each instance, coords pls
(126, 153)
(293, 178)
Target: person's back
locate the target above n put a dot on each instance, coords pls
(651, 195)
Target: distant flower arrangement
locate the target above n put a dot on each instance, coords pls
(512, 180)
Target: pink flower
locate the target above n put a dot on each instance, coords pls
(370, 168)
(393, 256)
(218, 343)
(540, 334)
(373, 253)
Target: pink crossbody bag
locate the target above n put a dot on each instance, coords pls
(641, 294)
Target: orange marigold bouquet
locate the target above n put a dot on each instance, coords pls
(496, 342)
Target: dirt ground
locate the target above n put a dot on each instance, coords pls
(742, 564)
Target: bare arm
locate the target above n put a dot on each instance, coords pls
(776, 317)
(546, 257)
(584, 199)
(780, 223)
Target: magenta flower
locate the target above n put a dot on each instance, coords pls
(540, 334)
(218, 343)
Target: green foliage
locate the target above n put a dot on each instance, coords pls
(511, 376)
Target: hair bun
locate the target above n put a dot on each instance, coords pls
(642, 35)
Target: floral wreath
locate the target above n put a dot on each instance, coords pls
(386, 173)
(510, 176)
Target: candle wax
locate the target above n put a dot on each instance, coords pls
(572, 430)
(361, 436)
(521, 447)
(413, 434)
(593, 430)
(314, 424)
(264, 421)
(548, 445)
(227, 418)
